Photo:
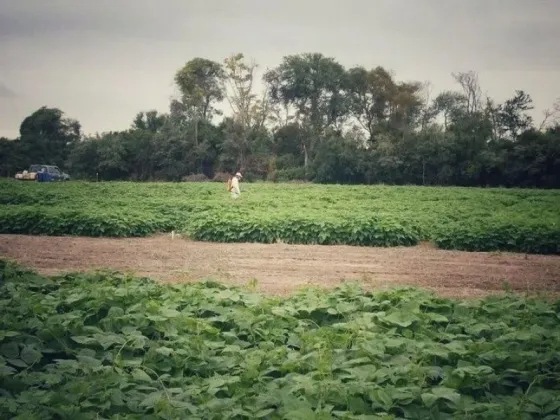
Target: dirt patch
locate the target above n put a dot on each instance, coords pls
(281, 268)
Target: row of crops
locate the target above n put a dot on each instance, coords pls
(109, 346)
(452, 218)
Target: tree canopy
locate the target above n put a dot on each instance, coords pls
(309, 118)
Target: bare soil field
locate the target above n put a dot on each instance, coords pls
(280, 269)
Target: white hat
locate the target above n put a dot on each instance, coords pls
(238, 175)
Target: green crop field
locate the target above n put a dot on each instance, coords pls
(453, 218)
(108, 346)
(111, 346)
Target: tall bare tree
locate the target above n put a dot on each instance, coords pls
(250, 110)
(551, 116)
(471, 89)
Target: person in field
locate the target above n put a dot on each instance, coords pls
(233, 185)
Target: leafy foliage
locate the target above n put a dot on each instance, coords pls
(495, 234)
(108, 346)
(453, 218)
(310, 119)
(301, 230)
(36, 220)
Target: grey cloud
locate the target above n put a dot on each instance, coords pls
(32, 18)
(6, 92)
(519, 34)
(102, 61)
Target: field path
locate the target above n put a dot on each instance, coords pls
(280, 269)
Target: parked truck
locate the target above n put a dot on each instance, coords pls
(43, 173)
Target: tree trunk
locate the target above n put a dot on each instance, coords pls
(196, 142)
(196, 132)
(305, 159)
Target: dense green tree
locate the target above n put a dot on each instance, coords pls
(149, 121)
(315, 86)
(371, 92)
(336, 161)
(12, 158)
(314, 120)
(512, 118)
(47, 137)
(200, 84)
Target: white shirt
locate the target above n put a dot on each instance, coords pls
(235, 185)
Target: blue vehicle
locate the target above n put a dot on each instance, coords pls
(48, 173)
(43, 173)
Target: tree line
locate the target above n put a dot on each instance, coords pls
(310, 119)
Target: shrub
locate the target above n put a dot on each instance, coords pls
(196, 178)
(301, 230)
(501, 235)
(283, 175)
(105, 345)
(221, 177)
(56, 222)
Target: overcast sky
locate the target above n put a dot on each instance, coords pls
(102, 61)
